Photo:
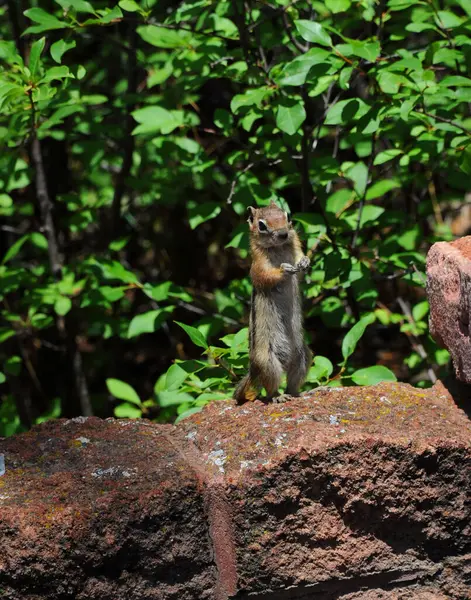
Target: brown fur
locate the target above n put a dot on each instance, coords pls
(276, 333)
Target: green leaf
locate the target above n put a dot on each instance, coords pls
(161, 37)
(148, 322)
(6, 201)
(56, 73)
(195, 335)
(35, 56)
(188, 413)
(112, 294)
(296, 71)
(240, 341)
(382, 187)
(12, 365)
(110, 15)
(373, 375)
(370, 213)
(386, 155)
(352, 338)
(290, 116)
(39, 240)
(447, 19)
(62, 305)
(123, 391)
(339, 200)
(466, 6)
(59, 48)
(465, 162)
(420, 310)
(114, 270)
(367, 50)
(127, 411)
(344, 77)
(389, 82)
(129, 5)
(321, 369)
(2, 378)
(455, 80)
(313, 32)
(200, 213)
(338, 6)
(6, 334)
(249, 98)
(173, 398)
(77, 5)
(155, 119)
(346, 111)
(175, 377)
(14, 249)
(45, 21)
(359, 175)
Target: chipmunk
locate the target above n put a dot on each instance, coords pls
(276, 342)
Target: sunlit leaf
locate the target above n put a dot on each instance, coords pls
(123, 391)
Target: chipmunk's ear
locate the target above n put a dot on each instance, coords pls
(251, 214)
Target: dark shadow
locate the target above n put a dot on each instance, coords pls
(460, 392)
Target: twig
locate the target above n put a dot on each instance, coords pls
(44, 201)
(301, 47)
(9, 229)
(271, 163)
(444, 120)
(200, 311)
(235, 180)
(182, 28)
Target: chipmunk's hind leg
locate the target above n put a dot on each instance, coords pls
(270, 374)
(247, 389)
(297, 370)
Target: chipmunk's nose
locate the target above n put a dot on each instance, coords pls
(282, 234)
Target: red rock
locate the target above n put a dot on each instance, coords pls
(94, 509)
(346, 493)
(449, 294)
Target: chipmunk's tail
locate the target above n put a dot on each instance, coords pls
(245, 390)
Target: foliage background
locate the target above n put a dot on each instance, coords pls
(135, 135)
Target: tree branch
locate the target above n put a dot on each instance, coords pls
(73, 358)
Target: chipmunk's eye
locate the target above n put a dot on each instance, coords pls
(262, 226)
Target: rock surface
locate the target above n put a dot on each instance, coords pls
(449, 294)
(345, 493)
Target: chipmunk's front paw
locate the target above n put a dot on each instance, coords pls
(303, 264)
(287, 268)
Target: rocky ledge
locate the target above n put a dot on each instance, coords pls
(345, 493)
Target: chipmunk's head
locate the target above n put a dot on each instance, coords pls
(270, 225)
